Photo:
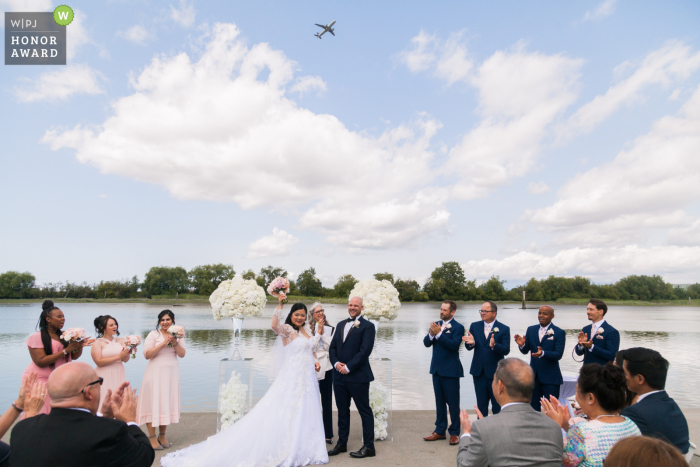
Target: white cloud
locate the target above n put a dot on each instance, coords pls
(673, 62)
(307, 84)
(184, 15)
(76, 35)
(603, 10)
(280, 243)
(136, 34)
(537, 188)
(230, 136)
(422, 54)
(448, 59)
(61, 84)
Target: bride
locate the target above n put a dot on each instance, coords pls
(285, 428)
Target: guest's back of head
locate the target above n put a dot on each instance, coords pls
(642, 451)
(607, 383)
(517, 378)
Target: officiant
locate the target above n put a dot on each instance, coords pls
(445, 337)
(322, 334)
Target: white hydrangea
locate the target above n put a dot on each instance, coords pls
(380, 299)
(232, 397)
(379, 401)
(237, 298)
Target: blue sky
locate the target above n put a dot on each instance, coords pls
(521, 139)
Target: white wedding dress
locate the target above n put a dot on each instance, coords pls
(284, 429)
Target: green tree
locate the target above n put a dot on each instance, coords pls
(408, 289)
(206, 278)
(493, 289)
(382, 276)
(166, 280)
(270, 273)
(446, 282)
(15, 284)
(308, 284)
(645, 288)
(344, 286)
(75, 290)
(128, 288)
(248, 275)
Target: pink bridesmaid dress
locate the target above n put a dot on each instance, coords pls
(114, 373)
(159, 396)
(34, 342)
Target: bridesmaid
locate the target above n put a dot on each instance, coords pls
(108, 353)
(159, 401)
(46, 348)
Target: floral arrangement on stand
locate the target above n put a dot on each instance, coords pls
(379, 401)
(70, 333)
(132, 342)
(237, 298)
(278, 284)
(177, 332)
(380, 299)
(232, 397)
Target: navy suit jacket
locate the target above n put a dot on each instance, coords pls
(445, 360)
(658, 416)
(605, 345)
(354, 352)
(485, 358)
(546, 367)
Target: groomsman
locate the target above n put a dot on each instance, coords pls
(546, 343)
(490, 340)
(598, 342)
(445, 337)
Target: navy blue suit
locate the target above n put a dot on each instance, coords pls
(605, 345)
(354, 352)
(485, 361)
(658, 416)
(546, 368)
(446, 370)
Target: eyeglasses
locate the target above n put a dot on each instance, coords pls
(99, 381)
(318, 311)
(485, 311)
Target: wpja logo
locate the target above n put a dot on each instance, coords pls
(37, 38)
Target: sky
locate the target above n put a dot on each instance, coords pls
(520, 139)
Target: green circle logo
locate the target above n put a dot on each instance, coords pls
(63, 15)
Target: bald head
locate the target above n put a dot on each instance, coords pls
(545, 315)
(66, 383)
(355, 307)
(517, 378)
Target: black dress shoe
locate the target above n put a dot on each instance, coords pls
(363, 452)
(338, 449)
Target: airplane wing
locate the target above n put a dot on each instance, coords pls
(331, 31)
(321, 26)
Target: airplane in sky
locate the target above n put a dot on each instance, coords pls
(326, 28)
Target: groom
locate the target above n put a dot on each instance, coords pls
(349, 354)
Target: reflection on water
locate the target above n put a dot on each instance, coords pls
(208, 341)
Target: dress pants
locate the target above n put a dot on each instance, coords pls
(359, 392)
(484, 393)
(543, 390)
(446, 394)
(325, 387)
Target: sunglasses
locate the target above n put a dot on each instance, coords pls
(99, 381)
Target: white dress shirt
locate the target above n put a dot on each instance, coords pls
(346, 331)
(542, 332)
(594, 331)
(642, 396)
(444, 325)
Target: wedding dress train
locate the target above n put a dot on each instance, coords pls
(284, 429)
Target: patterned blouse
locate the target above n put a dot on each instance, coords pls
(588, 443)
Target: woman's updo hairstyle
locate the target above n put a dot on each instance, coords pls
(607, 383)
(295, 307)
(101, 324)
(163, 313)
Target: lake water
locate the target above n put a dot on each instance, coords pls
(673, 331)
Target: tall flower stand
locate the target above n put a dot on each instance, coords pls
(235, 391)
(374, 356)
(380, 392)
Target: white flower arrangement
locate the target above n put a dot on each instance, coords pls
(73, 333)
(448, 326)
(600, 331)
(232, 396)
(237, 298)
(495, 330)
(379, 401)
(550, 332)
(379, 298)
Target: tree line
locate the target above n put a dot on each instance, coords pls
(446, 282)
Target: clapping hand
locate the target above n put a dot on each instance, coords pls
(113, 397)
(492, 342)
(469, 339)
(34, 401)
(583, 340)
(539, 352)
(464, 420)
(435, 329)
(520, 340)
(557, 412)
(321, 324)
(125, 409)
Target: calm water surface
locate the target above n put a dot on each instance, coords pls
(673, 331)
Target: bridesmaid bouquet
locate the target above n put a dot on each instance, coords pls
(177, 332)
(69, 334)
(132, 342)
(277, 286)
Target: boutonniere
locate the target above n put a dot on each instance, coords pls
(550, 332)
(356, 323)
(494, 330)
(448, 326)
(600, 331)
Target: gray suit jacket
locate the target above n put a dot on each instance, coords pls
(516, 437)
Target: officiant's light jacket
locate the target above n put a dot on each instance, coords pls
(445, 361)
(546, 368)
(485, 358)
(354, 352)
(605, 345)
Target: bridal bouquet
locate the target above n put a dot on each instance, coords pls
(237, 298)
(177, 332)
(380, 299)
(277, 286)
(69, 334)
(232, 400)
(379, 401)
(132, 342)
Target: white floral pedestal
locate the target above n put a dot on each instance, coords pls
(235, 391)
(380, 391)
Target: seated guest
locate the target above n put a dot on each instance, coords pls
(655, 413)
(600, 392)
(72, 436)
(631, 396)
(517, 436)
(32, 394)
(642, 451)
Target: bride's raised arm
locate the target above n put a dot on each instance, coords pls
(281, 329)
